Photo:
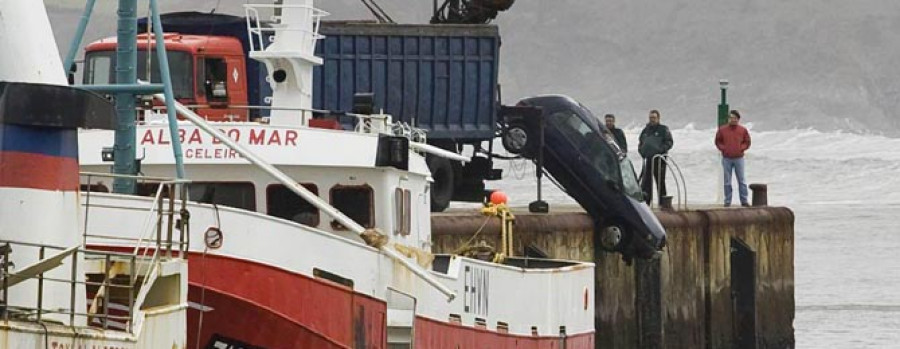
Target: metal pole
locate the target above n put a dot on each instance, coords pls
(132, 279)
(159, 218)
(723, 105)
(124, 88)
(162, 56)
(105, 287)
(79, 35)
(6, 284)
(126, 61)
(87, 211)
(314, 200)
(171, 216)
(722, 120)
(40, 300)
(539, 205)
(72, 289)
(185, 238)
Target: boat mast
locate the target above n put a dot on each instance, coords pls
(126, 74)
(126, 87)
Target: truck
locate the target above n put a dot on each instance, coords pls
(438, 78)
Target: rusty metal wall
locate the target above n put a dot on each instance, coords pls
(682, 300)
(769, 232)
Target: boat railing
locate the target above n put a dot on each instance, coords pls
(119, 276)
(302, 32)
(164, 228)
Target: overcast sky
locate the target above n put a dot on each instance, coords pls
(828, 64)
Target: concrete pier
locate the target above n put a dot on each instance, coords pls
(725, 280)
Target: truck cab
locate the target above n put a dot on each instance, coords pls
(208, 72)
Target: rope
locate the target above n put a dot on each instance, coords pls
(467, 244)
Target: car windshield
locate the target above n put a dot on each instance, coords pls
(100, 70)
(629, 180)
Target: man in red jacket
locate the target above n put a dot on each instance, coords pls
(733, 140)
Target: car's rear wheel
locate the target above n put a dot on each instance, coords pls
(516, 139)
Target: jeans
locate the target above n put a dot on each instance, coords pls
(736, 165)
(649, 171)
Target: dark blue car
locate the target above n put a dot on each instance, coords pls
(582, 157)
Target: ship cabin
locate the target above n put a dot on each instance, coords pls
(371, 177)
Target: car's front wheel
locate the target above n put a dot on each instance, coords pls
(612, 238)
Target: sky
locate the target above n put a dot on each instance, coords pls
(820, 64)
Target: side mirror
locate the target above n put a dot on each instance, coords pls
(70, 75)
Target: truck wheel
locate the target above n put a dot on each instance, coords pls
(516, 139)
(442, 188)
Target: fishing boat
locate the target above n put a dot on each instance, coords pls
(303, 234)
(56, 291)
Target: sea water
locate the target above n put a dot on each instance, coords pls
(843, 189)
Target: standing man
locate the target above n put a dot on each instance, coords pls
(655, 140)
(616, 132)
(733, 140)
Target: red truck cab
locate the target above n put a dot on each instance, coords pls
(208, 72)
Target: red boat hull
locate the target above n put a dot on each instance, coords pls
(252, 305)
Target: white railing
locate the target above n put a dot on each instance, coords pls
(258, 31)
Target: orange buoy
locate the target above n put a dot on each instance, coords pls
(498, 197)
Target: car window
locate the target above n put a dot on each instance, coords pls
(629, 180)
(594, 147)
(570, 126)
(598, 153)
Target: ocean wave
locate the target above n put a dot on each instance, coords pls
(807, 143)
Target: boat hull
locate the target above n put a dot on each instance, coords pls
(251, 305)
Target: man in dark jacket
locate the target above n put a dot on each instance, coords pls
(616, 132)
(655, 140)
(733, 140)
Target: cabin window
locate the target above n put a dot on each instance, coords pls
(100, 70)
(356, 202)
(281, 202)
(149, 189)
(94, 188)
(402, 212)
(234, 194)
(179, 71)
(213, 80)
